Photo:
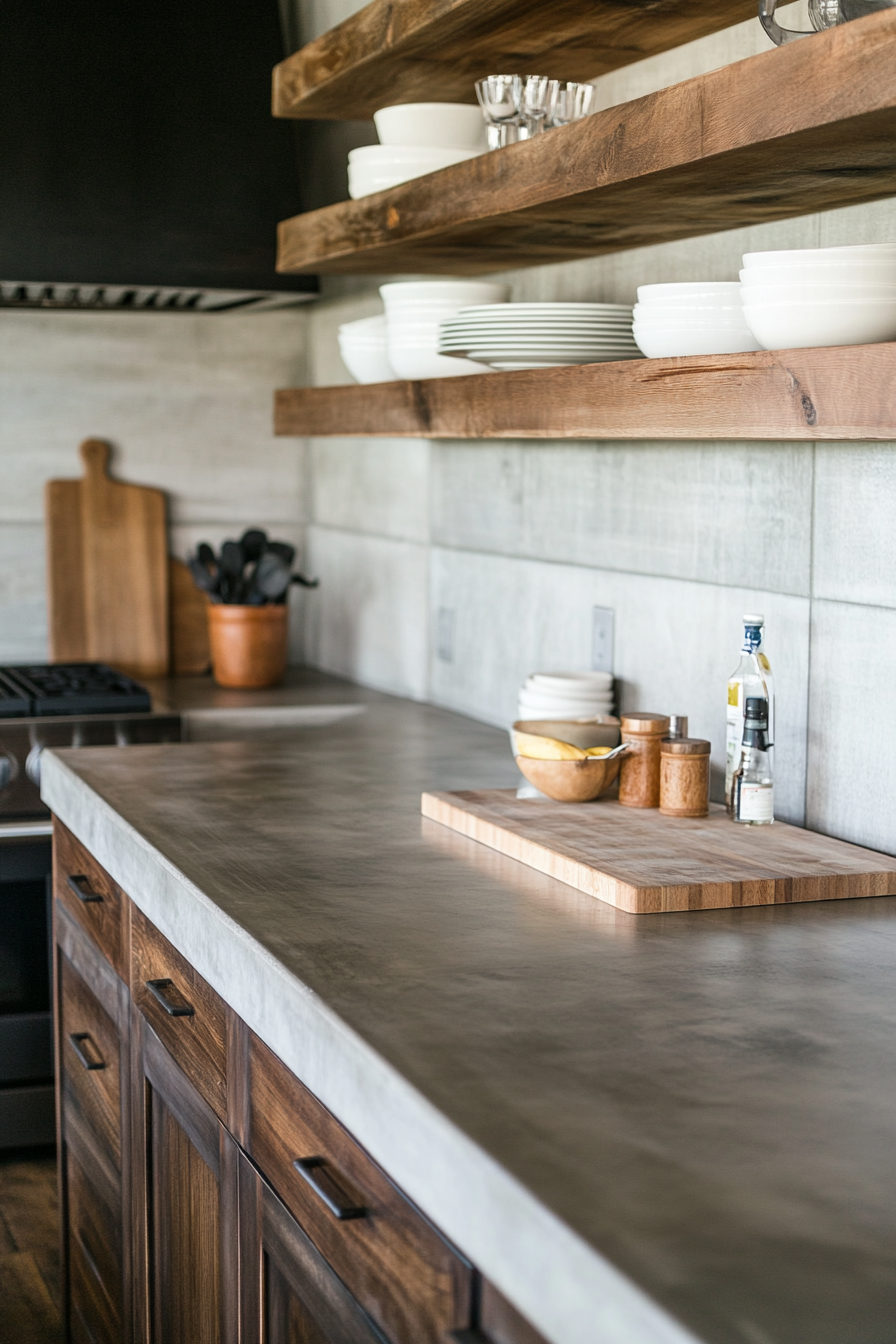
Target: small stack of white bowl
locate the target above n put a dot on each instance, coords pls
(415, 139)
(703, 317)
(414, 312)
(821, 296)
(362, 346)
(566, 695)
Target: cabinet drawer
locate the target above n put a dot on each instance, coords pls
(90, 1055)
(184, 1012)
(395, 1263)
(90, 896)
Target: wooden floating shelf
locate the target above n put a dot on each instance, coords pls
(800, 128)
(405, 51)
(841, 392)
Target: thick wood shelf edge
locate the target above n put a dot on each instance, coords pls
(635, 861)
(835, 392)
(401, 51)
(800, 128)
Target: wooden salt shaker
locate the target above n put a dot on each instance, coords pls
(684, 777)
(639, 772)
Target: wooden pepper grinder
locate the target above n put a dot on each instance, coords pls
(639, 773)
(684, 777)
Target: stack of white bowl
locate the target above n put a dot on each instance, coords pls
(703, 317)
(414, 311)
(566, 695)
(362, 346)
(415, 139)
(821, 296)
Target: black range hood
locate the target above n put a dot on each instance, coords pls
(140, 166)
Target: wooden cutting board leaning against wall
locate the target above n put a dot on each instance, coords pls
(107, 570)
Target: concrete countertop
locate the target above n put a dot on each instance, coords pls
(646, 1128)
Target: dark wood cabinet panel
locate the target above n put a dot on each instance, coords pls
(185, 1013)
(185, 1205)
(91, 1061)
(86, 891)
(290, 1295)
(394, 1261)
(502, 1323)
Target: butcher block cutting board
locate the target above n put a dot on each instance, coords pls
(107, 568)
(646, 864)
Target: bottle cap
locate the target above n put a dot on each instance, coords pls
(685, 746)
(754, 618)
(756, 710)
(678, 726)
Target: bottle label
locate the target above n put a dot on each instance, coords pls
(756, 802)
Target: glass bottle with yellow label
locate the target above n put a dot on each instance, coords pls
(752, 677)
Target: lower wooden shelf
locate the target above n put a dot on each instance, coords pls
(836, 392)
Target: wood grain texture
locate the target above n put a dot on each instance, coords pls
(396, 1265)
(402, 51)
(96, 1092)
(103, 920)
(841, 392)
(645, 863)
(29, 1251)
(797, 129)
(198, 1044)
(502, 1323)
(107, 569)
(188, 622)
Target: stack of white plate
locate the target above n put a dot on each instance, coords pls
(362, 346)
(821, 296)
(566, 695)
(705, 317)
(415, 139)
(414, 310)
(540, 335)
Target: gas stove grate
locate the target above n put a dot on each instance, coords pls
(69, 688)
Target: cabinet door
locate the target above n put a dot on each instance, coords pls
(185, 1200)
(92, 1068)
(289, 1293)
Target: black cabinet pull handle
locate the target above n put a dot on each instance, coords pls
(79, 1040)
(159, 990)
(80, 885)
(314, 1171)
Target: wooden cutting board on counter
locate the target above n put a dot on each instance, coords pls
(645, 863)
(107, 569)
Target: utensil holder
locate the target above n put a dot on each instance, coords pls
(249, 645)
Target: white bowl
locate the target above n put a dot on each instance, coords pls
(367, 365)
(452, 293)
(657, 343)
(570, 680)
(845, 273)
(379, 167)
(410, 360)
(690, 317)
(791, 292)
(442, 125)
(723, 290)
(824, 256)
(785, 326)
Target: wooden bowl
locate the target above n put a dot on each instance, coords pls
(571, 781)
(601, 731)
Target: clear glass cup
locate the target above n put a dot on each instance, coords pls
(570, 101)
(500, 98)
(535, 100)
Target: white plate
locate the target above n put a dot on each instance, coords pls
(566, 309)
(509, 365)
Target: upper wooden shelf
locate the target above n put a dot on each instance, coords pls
(842, 392)
(405, 51)
(800, 128)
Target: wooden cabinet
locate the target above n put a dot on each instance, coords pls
(208, 1196)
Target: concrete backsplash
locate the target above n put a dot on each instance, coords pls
(186, 401)
(451, 570)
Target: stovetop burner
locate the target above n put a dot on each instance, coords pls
(31, 691)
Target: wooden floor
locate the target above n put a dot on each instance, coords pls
(29, 1249)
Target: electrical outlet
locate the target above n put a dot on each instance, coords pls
(602, 626)
(445, 634)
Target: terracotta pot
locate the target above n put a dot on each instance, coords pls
(248, 644)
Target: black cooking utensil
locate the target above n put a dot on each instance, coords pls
(272, 576)
(286, 552)
(254, 543)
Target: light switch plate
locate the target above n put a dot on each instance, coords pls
(603, 620)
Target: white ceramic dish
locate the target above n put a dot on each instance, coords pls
(821, 255)
(659, 343)
(687, 290)
(433, 125)
(782, 326)
(788, 292)
(411, 360)
(460, 292)
(373, 168)
(362, 346)
(691, 317)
